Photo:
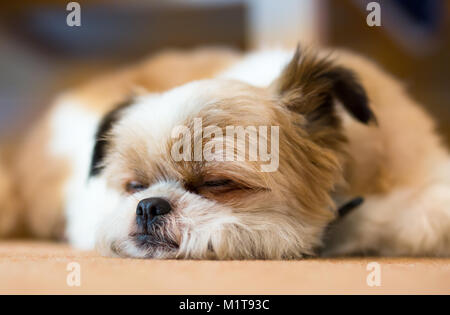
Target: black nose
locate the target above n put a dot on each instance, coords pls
(148, 209)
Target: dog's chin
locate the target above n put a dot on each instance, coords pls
(141, 246)
(153, 246)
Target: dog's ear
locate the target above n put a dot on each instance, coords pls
(101, 137)
(310, 85)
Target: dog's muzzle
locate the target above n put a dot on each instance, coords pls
(152, 233)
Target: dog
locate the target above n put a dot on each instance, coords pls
(101, 170)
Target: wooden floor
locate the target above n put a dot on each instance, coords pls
(47, 268)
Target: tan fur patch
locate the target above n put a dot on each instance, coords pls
(9, 207)
(404, 147)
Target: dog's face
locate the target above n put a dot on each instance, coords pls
(187, 187)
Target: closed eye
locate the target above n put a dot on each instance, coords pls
(135, 186)
(222, 189)
(217, 183)
(219, 187)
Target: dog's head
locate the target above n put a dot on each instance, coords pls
(221, 169)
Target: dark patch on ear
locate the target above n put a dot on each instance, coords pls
(350, 92)
(349, 206)
(309, 84)
(101, 137)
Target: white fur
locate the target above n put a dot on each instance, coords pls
(155, 115)
(259, 68)
(73, 133)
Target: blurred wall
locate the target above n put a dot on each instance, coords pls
(413, 43)
(40, 54)
(283, 23)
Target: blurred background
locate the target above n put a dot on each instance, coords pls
(40, 54)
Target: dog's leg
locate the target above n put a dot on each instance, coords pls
(409, 222)
(8, 202)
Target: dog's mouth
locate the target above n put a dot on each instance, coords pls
(149, 242)
(154, 239)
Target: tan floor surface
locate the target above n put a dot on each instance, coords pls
(34, 268)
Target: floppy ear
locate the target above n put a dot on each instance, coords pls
(101, 137)
(310, 85)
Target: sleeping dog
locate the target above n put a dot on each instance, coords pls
(212, 154)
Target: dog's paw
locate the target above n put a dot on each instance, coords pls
(408, 222)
